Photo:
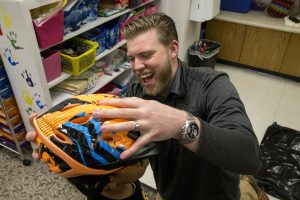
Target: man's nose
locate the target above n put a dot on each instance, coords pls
(138, 64)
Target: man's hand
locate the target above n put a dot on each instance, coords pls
(130, 173)
(31, 137)
(155, 121)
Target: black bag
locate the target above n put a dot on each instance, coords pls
(279, 175)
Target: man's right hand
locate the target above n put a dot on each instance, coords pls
(31, 137)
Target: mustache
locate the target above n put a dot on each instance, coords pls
(140, 73)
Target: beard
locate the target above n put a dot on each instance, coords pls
(162, 79)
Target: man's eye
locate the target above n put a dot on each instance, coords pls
(146, 56)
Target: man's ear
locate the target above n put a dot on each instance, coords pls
(174, 48)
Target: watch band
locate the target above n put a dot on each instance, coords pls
(189, 116)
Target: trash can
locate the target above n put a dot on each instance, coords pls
(203, 53)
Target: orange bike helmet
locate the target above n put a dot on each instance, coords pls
(73, 145)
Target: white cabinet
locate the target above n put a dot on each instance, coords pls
(22, 56)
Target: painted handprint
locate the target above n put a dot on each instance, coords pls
(10, 58)
(6, 16)
(29, 111)
(12, 36)
(27, 97)
(38, 101)
(27, 77)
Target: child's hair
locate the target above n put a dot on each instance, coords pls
(162, 23)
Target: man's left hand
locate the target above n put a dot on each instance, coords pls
(154, 120)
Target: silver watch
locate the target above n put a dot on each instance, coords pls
(190, 131)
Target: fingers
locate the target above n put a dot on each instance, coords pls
(129, 102)
(118, 127)
(139, 143)
(31, 117)
(31, 137)
(36, 155)
(124, 113)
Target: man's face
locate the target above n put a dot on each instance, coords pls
(151, 62)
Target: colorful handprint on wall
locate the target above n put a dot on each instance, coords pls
(30, 100)
(11, 58)
(38, 101)
(12, 37)
(6, 17)
(29, 111)
(27, 76)
(27, 97)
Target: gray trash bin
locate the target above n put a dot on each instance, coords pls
(203, 53)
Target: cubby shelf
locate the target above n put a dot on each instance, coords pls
(104, 79)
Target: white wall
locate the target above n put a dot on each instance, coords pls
(188, 31)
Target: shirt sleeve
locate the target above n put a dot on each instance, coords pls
(227, 138)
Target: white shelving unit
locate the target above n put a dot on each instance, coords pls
(24, 64)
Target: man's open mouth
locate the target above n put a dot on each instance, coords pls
(147, 77)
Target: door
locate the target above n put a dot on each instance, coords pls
(291, 61)
(264, 48)
(229, 35)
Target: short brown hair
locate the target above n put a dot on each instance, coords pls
(162, 23)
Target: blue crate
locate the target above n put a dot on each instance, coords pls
(112, 32)
(241, 6)
(6, 92)
(82, 12)
(97, 35)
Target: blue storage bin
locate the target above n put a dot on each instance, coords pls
(97, 35)
(6, 92)
(4, 82)
(82, 12)
(241, 6)
(112, 31)
(2, 72)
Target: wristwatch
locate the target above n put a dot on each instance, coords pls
(190, 131)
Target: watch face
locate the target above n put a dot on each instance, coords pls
(192, 131)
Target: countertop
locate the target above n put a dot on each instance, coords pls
(258, 19)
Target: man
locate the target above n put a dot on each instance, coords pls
(194, 115)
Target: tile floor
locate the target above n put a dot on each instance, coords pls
(267, 99)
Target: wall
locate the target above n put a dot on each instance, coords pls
(188, 31)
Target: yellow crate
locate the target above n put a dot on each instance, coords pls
(77, 65)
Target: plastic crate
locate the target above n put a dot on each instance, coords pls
(44, 31)
(241, 6)
(52, 64)
(77, 65)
